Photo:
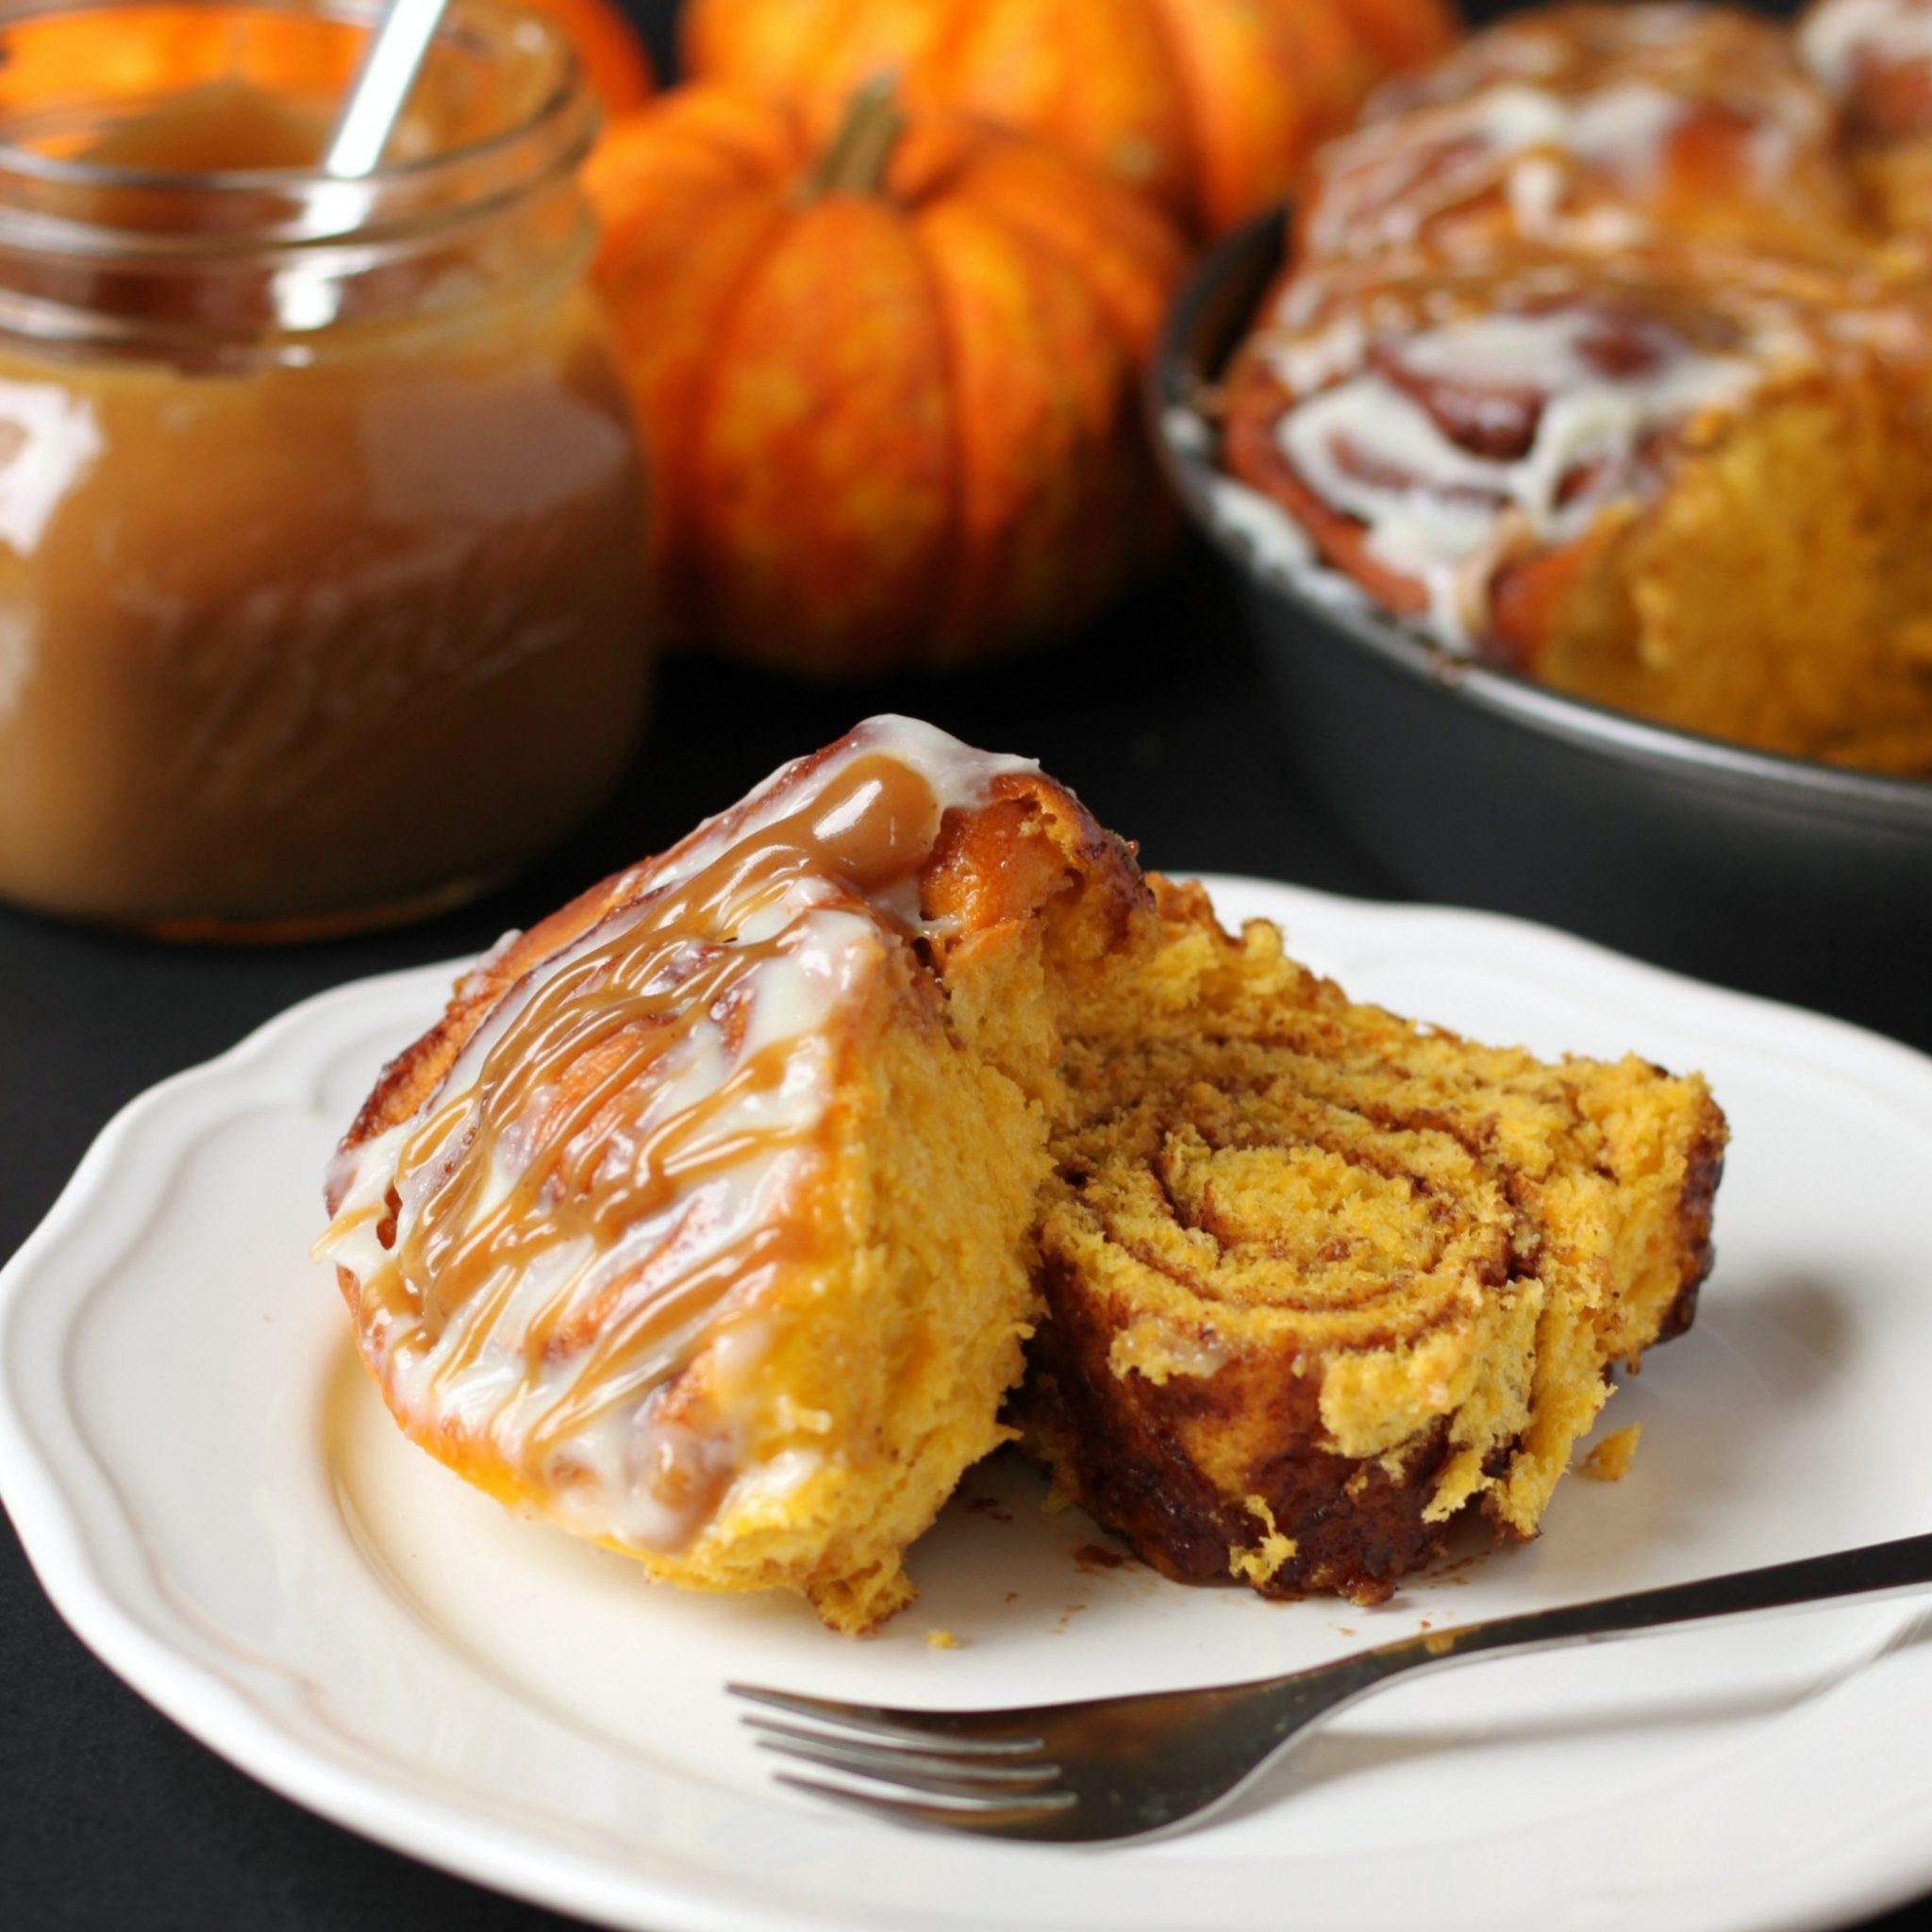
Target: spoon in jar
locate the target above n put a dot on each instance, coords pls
(389, 62)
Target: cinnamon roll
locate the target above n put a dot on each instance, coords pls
(721, 1213)
(702, 1223)
(1594, 129)
(1592, 360)
(1319, 1280)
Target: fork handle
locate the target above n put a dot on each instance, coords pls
(1878, 1570)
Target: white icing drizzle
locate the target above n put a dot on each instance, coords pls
(1277, 545)
(1838, 37)
(1435, 511)
(527, 1361)
(1554, 116)
(1388, 181)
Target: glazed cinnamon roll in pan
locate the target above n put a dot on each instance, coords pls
(1595, 128)
(1595, 359)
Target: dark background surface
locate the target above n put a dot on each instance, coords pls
(109, 1816)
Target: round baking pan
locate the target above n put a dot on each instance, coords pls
(1470, 784)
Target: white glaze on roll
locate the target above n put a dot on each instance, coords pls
(1437, 510)
(1388, 181)
(1840, 36)
(1570, 120)
(1662, 182)
(534, 1356)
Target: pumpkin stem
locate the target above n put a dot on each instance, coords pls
(855, 160)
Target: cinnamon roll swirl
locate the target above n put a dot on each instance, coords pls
(1318, 1281)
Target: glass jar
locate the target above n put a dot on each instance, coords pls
(321, 517)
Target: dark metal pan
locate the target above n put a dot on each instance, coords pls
(1473, 784)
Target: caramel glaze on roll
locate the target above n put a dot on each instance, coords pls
(702, 1222)
(1595, 359)
(712, 1219)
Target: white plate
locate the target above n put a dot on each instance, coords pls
(215, 1499)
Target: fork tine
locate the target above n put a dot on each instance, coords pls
(961, 1731)
(969, 1758)
(916, 1770)
(996, 1818)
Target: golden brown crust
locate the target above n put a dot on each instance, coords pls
(1696, 1212)
(1117, 1445)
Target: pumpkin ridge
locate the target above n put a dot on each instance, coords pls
(1020, 218)
(847, 588)
(751, 169)
(1170, 38)
(955, 612)
(939, 599)
(688, 569)
(696, 566)
(991, 574)
(1044, 243)
(1098, 534)
(947, 36)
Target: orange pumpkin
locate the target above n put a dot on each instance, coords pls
(887, 375)
(1212, 106)
(614, 59)
(52, 57)
(188, 45)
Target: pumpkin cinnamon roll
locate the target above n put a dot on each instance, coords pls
(1593, 362)
(1699, 501)
(721, 1213)
(702, 1222)
(1595, 128)
(1318, 1281)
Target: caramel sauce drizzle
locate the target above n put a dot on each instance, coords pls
(674, 1057)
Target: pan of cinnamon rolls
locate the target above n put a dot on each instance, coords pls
(1572, 439)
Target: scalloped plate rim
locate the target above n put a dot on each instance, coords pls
(394, 1805)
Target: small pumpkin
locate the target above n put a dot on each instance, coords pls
(614, 59)
(188, 45)
(1211, 106)
(175, 48)
(886, 373)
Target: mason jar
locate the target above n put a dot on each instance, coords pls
(321, 513)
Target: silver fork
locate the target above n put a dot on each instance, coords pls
(1128, 1767)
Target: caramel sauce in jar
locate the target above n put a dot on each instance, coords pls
(320, 504)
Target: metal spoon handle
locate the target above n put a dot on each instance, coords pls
(382, 84)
